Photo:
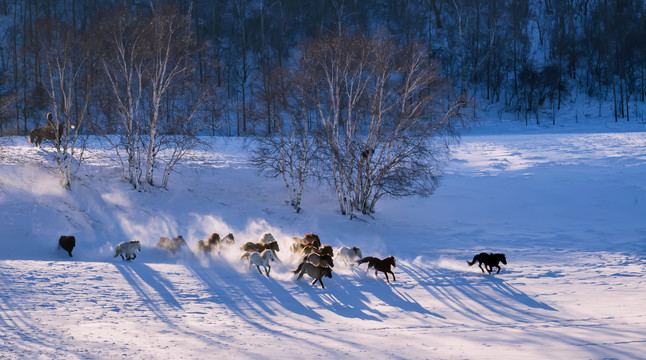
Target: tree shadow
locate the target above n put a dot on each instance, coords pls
(20, 334)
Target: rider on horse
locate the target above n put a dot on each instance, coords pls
(50, 124)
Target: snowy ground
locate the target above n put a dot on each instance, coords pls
(568, 208)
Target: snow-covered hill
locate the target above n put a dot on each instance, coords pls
(568, 209)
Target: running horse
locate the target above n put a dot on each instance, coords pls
(382, 265)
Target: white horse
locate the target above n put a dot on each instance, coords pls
(348, 255)
(261, 259)
(129, 248)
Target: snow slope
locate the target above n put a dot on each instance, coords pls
(567, 208)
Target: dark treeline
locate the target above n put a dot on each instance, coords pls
(524, 54)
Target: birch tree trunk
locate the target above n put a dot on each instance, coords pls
(64, 71)
(170, 35)
(123, 69)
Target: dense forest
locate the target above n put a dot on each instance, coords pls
(216, 62)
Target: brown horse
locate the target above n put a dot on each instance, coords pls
(260, 247)
(215, 242)
(310, 240)
(382, 265)
(37, 136)
(316, 272)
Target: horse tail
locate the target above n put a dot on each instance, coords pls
(31, 137)
(475, 258)
(364, 260)
(245, 255)
(117, 251)
(298, 269)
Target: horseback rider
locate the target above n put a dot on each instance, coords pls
(50, 124)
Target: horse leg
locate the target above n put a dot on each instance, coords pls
(134, 255)
(497, 272)
(122, 258)
(393, 274)
(480, 266)
(388, 281)
(319, 280)
(267, 269)
(259, 269)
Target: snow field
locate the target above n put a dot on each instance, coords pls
(568, 210)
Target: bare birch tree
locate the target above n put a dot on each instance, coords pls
(385, 114)
(337, 65)
(171, 47)
(123, 60)
(65, 66)
(290, 151)
(372, 117)
(143, 61)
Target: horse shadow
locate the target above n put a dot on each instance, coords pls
(396, 296)
(250, 294)
(351, 295)
(139, 275)
(342, 297)
(469, 294)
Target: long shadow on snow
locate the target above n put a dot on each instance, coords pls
(20, 335)
(153, 279)
(465, 294)
(248, 297)
(340, 296)
(354, 291)
(139, 274)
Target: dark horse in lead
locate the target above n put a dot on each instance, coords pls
(490, 261)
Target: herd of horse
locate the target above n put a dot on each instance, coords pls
(317, 262)
(317, 259)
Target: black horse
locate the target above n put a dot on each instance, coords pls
(490, 261)
(382, 265)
